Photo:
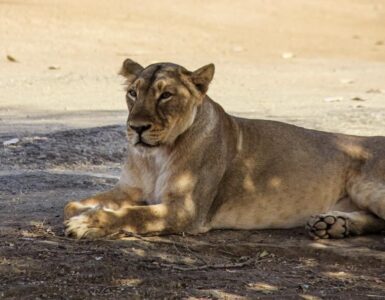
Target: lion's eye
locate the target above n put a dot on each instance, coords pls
(132, 93)
(165, 95)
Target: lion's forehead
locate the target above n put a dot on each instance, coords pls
(164, 78)
(153, 71)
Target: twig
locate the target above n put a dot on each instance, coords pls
(216, 266)
(157, 241)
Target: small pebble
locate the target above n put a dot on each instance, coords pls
(53, 68)
(358, 99)
(11, 59)
(11, 142)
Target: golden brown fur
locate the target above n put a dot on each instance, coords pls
(191, 168)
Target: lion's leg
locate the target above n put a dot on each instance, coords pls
(337, 224)
(155, 219)
(368, 195)
(113, 199)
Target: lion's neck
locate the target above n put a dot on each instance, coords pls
(211, 125)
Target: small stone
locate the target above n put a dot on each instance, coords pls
(11, 142)
(53, 68)
(357, 99)
(11, 59)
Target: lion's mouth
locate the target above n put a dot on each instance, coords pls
(142, 143)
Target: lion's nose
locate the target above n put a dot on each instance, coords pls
(140, 129)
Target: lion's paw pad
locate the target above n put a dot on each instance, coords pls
(328, 226)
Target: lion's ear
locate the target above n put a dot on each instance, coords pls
(202, 77)
(130, 69)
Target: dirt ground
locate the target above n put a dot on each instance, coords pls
(311, 63)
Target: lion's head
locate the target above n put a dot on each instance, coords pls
(162, 100)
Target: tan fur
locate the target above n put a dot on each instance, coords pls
(191, 168)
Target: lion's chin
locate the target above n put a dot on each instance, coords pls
(146, 145)
(145, 148)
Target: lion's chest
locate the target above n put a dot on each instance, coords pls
(153, 185)
(149, 174)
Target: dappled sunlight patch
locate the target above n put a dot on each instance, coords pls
(353, 150)
(309, 262)
(274, 182)
(217, 294)
(263, 287)
(184, 182)
(129, 282)
(176, 259)
(339, 275)
(309, 297)
(155, 225)
(318, 245)
(248, 184)
(189, 204)
(349, 277)
(139, 252)
(249, 164)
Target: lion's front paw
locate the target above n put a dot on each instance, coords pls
(328, 226)
(75, 208)
(92, 224)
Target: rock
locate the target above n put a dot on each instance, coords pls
(11, 142)
(53, 68)
(11, 59)
(357, 99)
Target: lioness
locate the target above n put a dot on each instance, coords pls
(191, 167)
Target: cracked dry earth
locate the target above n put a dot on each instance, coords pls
(40, 173)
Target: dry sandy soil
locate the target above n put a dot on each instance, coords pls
(317, 64)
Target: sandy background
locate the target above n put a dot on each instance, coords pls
(68, 54)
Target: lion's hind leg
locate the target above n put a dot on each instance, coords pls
(337, 224)
(368, 195)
